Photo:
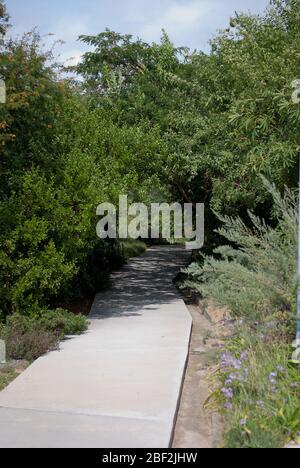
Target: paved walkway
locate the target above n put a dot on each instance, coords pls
(118, 385)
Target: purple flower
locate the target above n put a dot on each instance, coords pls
(235, 377)
(273, 377)
(226, 356)
(228, 361)
(244, 356)
(228, 406)
(243, 422)
(281, 369)
(260, 404)
(227, 392)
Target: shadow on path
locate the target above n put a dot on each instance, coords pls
(145, 283)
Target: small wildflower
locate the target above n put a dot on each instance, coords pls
(228, 392)
(237, 365)
(235, 377)
(273, 377)
(228, 361)
(243, 422)
(228, 406)
(260, 404)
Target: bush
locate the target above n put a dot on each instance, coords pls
(256, 273)
(29, 345)
(63, 322)
(255, 276)
(30, 337)
(26, 338)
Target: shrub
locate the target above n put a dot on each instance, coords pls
(30, 337)
(63, 322)
(27, 339)
(256, 273)
(29, 345)
(255, 276)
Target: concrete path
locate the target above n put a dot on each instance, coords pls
(118, 385)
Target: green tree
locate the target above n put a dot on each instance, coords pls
(251, 125)
(4, 18)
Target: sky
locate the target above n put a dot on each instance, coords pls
(190, 23)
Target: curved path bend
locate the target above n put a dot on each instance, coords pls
(118, 385)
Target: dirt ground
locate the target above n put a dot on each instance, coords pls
(197, 427)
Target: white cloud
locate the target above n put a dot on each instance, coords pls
(71, 57)
(177, 19)
(184, 15)
(68, 29)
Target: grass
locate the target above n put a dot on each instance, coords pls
(8, 374)
(6, 377)
(260, 390)
(133, 248)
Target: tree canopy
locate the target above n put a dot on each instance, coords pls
(154, 121)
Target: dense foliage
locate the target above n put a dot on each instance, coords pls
(158, 123)
(59, 160)
(30, 337)
(260, 275)
(257, 281)
(154, 121)
(225, 117)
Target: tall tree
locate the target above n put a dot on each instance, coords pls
(4, 18)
